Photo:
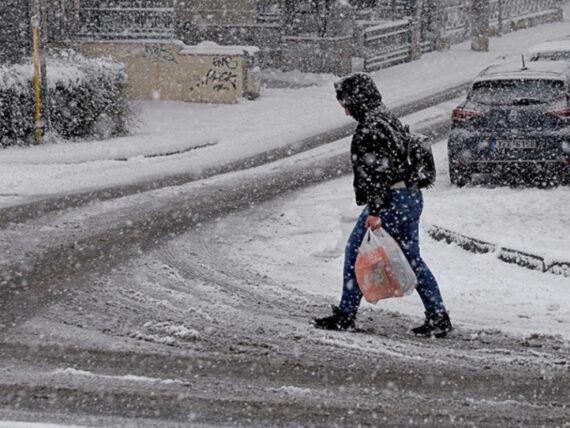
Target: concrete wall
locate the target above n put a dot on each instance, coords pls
(167, 71)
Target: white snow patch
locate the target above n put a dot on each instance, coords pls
(178, 331)
(165, 340)
(294, 390)
(166, 333)
(212, 48)
(75, 372)
(296, 77)
(371, 349)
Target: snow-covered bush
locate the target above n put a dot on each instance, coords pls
(86, 98)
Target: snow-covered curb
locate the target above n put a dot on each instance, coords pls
(508, 255)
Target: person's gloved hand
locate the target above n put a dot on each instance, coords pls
(373, 222)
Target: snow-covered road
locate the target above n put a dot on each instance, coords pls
(190, 305)
(212, 328)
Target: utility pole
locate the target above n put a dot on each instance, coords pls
(39, 42)
(480, 27)
(500, 28)
(289, 8)
(437, 12)
(36, 47)
(43, 71)
(416, 45)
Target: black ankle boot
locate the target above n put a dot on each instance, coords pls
(437, 325)
(339, 320)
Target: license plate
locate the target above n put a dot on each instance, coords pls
(516, 145)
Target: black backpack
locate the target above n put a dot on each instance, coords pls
(419, 157)
(417, 153)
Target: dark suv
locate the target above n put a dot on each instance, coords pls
(515, 123)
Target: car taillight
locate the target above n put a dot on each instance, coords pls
(460, 114)
(562, 113)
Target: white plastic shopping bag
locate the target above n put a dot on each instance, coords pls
(382, 270)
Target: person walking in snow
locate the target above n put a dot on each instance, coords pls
(383, 183)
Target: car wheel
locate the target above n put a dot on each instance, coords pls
(459, 176)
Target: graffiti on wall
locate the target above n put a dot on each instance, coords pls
(223, 74)
(159, 54)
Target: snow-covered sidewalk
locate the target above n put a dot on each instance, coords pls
(298, 240)
(177, 138)
(530, 220)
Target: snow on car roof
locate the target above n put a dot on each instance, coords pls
(557, 70)
(551, 46)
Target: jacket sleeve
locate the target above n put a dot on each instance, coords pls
(378, 186)
(373, 172)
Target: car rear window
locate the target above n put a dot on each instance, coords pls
(515, 91)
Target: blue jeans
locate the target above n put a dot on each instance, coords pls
(400, 218)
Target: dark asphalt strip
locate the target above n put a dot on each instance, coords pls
(52, 203)
(221, 387)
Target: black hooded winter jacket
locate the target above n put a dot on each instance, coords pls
(378, 156)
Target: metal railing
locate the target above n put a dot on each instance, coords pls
(456, 14)
(387, 44)
(518, 8)
(127, 19)
(390, 43)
